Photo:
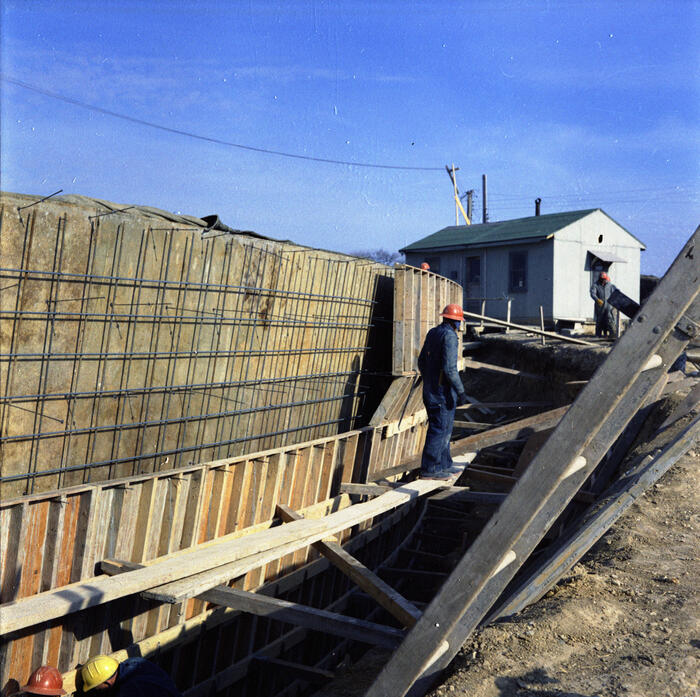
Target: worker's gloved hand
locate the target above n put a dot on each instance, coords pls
(599, 302)
(461, 399)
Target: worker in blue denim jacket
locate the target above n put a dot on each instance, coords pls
(442, 393)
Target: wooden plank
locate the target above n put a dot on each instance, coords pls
(305, 616)
(531, 330)
(242, 551)
(285, 611)
(565, 552)
(472, 364)
(595, 419)
(390, 599)
(500, 434)
(504, 405)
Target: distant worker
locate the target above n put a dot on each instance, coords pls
(425, 266)
(442, 393)
(134, 677)
(45, 680)
(601, 291)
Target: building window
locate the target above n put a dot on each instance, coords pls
(517, 272)
(474, 270)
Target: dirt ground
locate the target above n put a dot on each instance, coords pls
(624, 622)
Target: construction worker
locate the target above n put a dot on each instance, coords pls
(45, 680)
(134, 677)
(601, 291)
(425, 266)
(442, 392)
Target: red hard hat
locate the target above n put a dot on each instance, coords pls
(45, 680)
(453, 311)
(425, 266)
(603, 276)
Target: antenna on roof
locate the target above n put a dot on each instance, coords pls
(458, 204)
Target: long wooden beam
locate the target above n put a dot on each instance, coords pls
(389, 598)
(305, 616)
(240, 555)
(565, 552)
(584, 434)
(531, 330)
(283, 611)
(552, 506)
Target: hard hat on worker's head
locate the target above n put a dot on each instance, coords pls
(603, 276)
(454, 312)
(98, 670)
(425, 266)
(45, 680)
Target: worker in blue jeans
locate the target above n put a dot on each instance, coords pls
(442, 393)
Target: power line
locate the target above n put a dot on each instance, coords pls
(177, 131)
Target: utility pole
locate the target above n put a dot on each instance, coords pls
(485, 215)
(470, 196)
(458, 204)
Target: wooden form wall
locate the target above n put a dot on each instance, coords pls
(419, 298)
(52, 539)
(135, 340)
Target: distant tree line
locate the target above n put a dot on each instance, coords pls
(381, 256)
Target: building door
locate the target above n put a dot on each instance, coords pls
(473, 291)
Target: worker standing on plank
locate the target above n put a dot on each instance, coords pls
(45, 680)
(601, 291)
(134, 677)
(442, 393)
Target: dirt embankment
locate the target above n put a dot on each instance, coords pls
(623, 623)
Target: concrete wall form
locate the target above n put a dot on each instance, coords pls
(135, 341)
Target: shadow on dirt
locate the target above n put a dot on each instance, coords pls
(528, 685)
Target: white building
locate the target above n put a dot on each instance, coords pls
(544, 260)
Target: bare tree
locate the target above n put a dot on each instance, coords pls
(381, 256)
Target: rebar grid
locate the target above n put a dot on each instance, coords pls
(145, 343)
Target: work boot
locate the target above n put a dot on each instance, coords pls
(454, 470)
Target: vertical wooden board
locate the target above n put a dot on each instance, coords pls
(244, 507)
(205, 504)
(193, 508)
(226, 493)
(219, 475)
(329, 452)
(348, 450)
(413, 308)
(398, 325)
(230, 516)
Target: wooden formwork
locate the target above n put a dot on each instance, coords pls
(54, 539)
(419, 298)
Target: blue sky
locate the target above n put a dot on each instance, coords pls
(586, 104)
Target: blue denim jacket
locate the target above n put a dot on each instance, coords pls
(437, 363)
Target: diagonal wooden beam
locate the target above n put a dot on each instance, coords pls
(285, 611)
(659, 332)
(310, 674)
(391, 600)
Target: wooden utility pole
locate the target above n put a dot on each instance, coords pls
(458, 204)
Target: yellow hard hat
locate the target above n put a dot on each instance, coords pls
(97, 670)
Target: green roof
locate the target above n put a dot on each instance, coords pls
(534, 228)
